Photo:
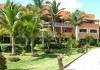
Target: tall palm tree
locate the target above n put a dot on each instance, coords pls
(38, 7)
(8, 19)
(54, 12)
(31, 24)
(76, 19)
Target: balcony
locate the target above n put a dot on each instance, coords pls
(66, 34)
(61, 24)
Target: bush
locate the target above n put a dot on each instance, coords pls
(14, 59)
(99, 44)
(47, 50)
(5, 47)
(80, 50)
(19, 48)
(2, 63)
(40, 46)
(23, 53)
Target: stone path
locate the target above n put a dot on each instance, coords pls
(89, 61)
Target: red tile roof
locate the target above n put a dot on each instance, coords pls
(1, 6)
(63, 14)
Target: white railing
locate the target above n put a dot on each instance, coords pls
(63, 24)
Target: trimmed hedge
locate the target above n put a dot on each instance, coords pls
(19, 48)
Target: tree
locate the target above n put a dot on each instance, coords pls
(48, 35)
(54, 12)
(8, 19)
(31, 24)
(76, 19)
(38, 7)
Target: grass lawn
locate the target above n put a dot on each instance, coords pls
(42, 62)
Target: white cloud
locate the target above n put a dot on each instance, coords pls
(70, 5)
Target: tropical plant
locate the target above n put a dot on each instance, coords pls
(31, 26)
(37, 5)
(8, 18)
(48, 35)
(89, 40)
(54, 13)
(70, 42)
(76, 19)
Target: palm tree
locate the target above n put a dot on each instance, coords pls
(8, 19)
(76, 19)
(54, 12)
(48, 35)
(38, 7)
(31, 24)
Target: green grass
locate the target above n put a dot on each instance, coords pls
(42, 62)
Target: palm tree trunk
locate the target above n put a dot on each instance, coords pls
(10, 38)
(42, 38)
(48, 45)
(54, 31)
(13, 43)
(54, 35)
(26, 41)
(32, 46)
(76, 32)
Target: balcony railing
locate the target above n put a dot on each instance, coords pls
(62, 24)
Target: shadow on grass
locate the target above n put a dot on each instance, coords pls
(21, 69)
(53, 55)
(42, 56)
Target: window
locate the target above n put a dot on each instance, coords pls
(93, 30)
(65, 30)
(82, 30)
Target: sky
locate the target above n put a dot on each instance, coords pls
(87, 6)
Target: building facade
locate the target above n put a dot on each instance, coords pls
(89, 28)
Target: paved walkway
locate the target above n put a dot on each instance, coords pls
(89, 61)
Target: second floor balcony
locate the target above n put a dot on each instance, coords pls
(60, 24)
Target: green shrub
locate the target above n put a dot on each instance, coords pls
(2, 63)
(14, 59)
(80, 50)
(47, 50)
(7, 48)
(99, 44)
(23, 53)
(40, 46)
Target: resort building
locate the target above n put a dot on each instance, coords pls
(91, 27)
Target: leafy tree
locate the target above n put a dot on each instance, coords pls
(8, 18)
(76, 19)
